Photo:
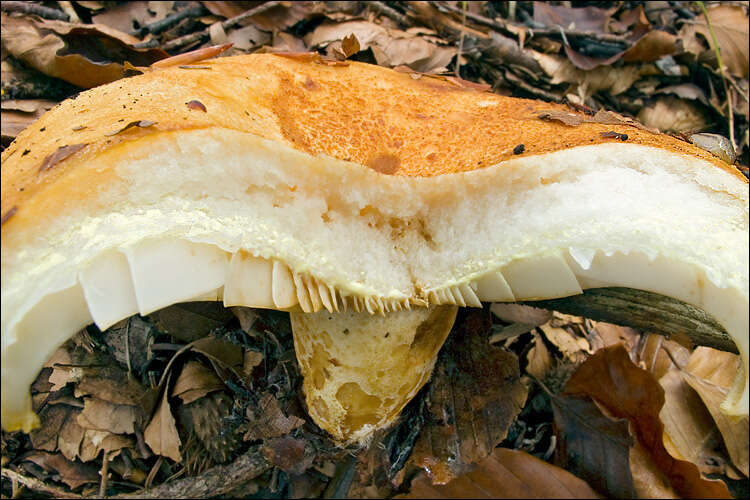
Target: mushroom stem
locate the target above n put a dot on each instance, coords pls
(361, 369)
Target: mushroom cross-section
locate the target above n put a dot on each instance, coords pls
(366, 202)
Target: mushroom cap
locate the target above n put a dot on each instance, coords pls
(340, 184)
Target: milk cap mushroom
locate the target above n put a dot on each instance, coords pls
(367, 202)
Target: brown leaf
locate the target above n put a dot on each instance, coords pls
(591, 19)
(192, 320)
(219, 350)
(71, 435)
(586, 63)
(519, 313)
(112, 384)
(350, 45)
(730, 25)
(288, 454)
(606, 334)
(629, 392)
(651, 47)
(129, 342)
(612, 118)
(593, 446)
(161, 434)
(390, 47)
(689, 431)
(61, 154)
(84, 55)
(672, 114)
(711, 373)
(104, 416)
(571, 119)
(538, 359)
(266, 420)
(475, 395)
(124, 16)
(136, 123)
(506, 474)
(573, 347)
(52, 417)
(94, 442)
(72, 473)
(18, 114)
(195, 381)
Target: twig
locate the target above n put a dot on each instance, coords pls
(36, 9)
(169, 21)
(37, 485)
(461, 40)
(215, 481)
(644, 311)
(228, 24)
(555, 33)
(104, 472)
(387, 11)
(67, 7)
(723, 76)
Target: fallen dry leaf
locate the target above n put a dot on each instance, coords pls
(689, 431)
(475, 395)
(593, 446)
(672, 114)
(506, 474)
(61, 154)
(538, 359)
(573, 347)
(94, 442)
(288, 454)
(161, 433)
(84, 55)
(18, 114)
(629, 392)
(192, 320)
(195, 381)
(730, 25)
(72, 473)
(104, 416)
(711, 373)
(591, 19)
(519, 313)
(266, 420)
(651, 46)
(390, 47)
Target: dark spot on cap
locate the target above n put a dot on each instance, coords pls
(519, 149)
(25, 152)
(385, 163)
(196, 104)
(310, 84)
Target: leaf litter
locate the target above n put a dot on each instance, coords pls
(214, 386)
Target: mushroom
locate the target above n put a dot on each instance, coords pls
(368, 203)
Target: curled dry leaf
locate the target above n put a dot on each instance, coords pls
(61, 154)
(672, 114)
(628, 392)
(288, 454)
(84, 55)
(591, 19)
(506, 474)
(730, 25)
(72, 473)
(104, 416)
(195, 381)
(136, 123)
(266, 420)
(710, 373)
(18, 114)
(594, 446)
(475, 395)
(390, 47)
(571, 119)
(161, 433)
(192, 320)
